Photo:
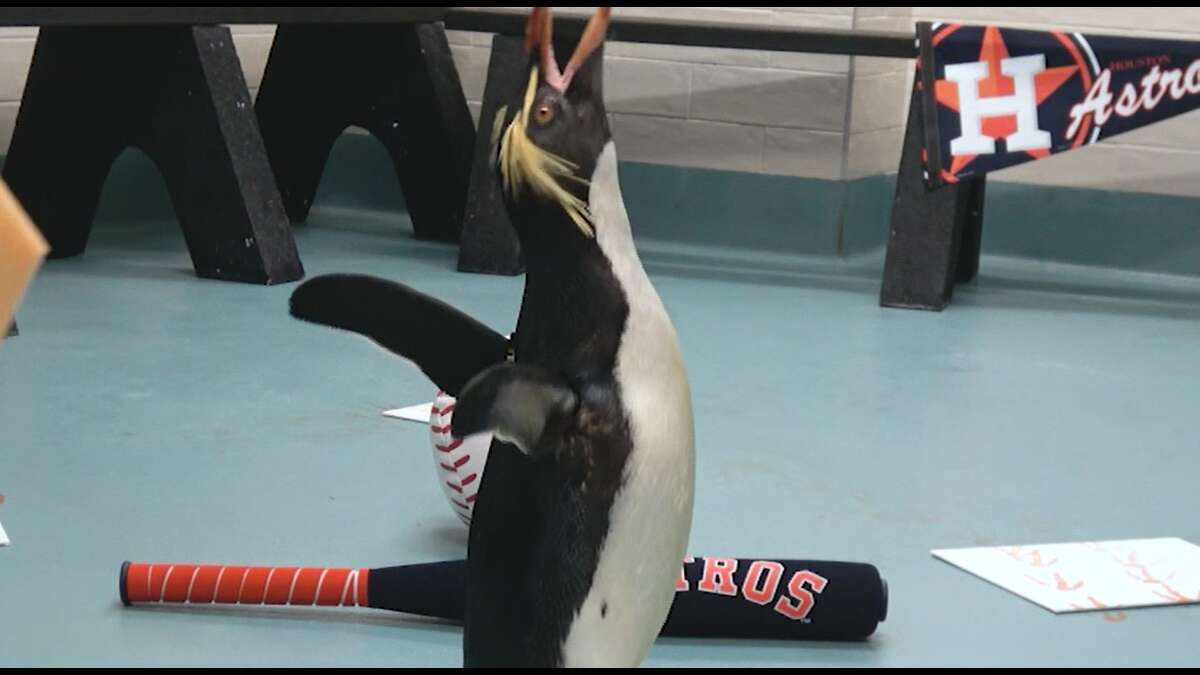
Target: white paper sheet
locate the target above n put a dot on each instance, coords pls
(413, 413)
(1086, 576)
(3, 536)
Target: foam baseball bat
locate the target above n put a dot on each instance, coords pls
(715, 597)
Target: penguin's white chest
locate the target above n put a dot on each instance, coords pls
(650, 522)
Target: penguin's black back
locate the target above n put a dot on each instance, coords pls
(539, 524)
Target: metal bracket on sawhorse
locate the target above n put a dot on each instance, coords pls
(176, 92)
(934, 237)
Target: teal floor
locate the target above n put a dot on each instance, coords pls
(149, 415)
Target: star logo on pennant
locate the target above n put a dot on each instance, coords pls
(992, 52)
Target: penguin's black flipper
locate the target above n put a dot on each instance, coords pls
(518, 403)
(447, 345)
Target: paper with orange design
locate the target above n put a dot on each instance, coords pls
(1088, 576)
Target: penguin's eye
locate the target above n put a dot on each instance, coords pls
(543, 114)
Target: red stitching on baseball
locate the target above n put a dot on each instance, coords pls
(453, 465)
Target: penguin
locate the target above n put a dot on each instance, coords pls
(584, 508)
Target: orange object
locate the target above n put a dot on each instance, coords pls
(22, 249)
(243, 585)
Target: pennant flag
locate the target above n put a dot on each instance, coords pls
(1001, 97)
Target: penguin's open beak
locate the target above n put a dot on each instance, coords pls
(538, 33)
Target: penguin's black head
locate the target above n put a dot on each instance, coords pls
(548, 151)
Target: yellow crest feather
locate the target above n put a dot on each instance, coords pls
(523, 163)
(498, 123)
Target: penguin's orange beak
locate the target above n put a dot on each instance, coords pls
(538, 33)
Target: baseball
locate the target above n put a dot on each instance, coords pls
(458, 462)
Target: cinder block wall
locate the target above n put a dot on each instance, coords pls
(739, 110)
(805, 115)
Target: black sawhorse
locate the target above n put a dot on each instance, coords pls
(167, 80)
(934, 237)
(397, 81)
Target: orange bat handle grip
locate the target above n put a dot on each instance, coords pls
(243, 585)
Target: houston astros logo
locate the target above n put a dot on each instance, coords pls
(1004, 96)
(1022, 105)
(1158, 84)
(762, 584)
(998, 96)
